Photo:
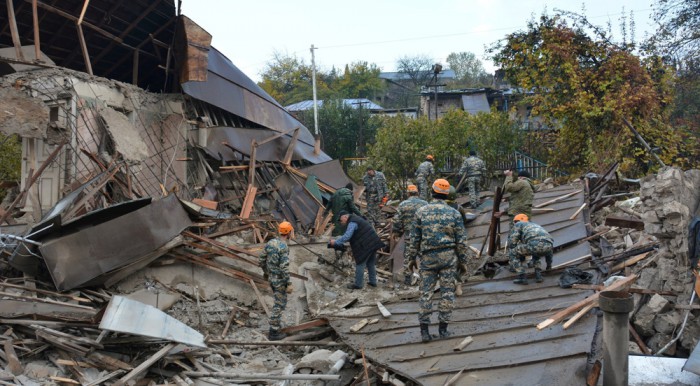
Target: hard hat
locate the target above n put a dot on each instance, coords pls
(520, 217)
(412, 188)
(285, 228)
(441, 186)
(430, 157)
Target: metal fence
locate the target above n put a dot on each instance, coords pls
(519, 161)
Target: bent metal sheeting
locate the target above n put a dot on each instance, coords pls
(500, 317)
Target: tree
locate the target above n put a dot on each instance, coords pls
(418, 68)
(360, 80)
(678, 32)
(468, 69)
(288, 80)
(586, 86)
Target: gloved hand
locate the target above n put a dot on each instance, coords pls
(385, 199)
(412, 265)
(462, 269)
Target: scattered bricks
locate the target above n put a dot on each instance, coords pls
(644, 322)
(668, 322)
(658, 304)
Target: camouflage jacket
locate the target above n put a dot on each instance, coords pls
(525, 232)
(425, 170)
(437, 227)
(342, 200)
(472, 166)
(521, 194)
(405, 214)
(375, 186)
(274, 260)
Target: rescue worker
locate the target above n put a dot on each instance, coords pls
(405, 215)
(341, 200)
(364, 242)
(471, 171)
(529, 239)
(274, 261)
(376, 194)
(440, 240)
(521, 191)
(424, 174)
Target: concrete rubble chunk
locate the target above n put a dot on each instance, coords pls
(658, 304)
(667, 323)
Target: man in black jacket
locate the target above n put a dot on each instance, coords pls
(364, 242)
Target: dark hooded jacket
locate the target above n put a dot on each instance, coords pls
(364, 240)
(342, 200)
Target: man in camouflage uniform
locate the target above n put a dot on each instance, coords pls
(405, 215)
(274, 261)
(440, 239)
(471, 171)
(424, 174)
(341, 200)
(521, 191)
(376, 194)
(529, 239)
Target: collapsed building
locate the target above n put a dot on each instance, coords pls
(152, 171)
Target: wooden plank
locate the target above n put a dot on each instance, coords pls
(624, 222)
(573, 216)
(260, 298)
(552, 201)
(83, 48)
(579, 315)
(597, 287)
(359, 325)
(464, 343)
(629, 262)
(248, 202)
(209, 204)
(145, 365)
(306, 325)
(383, 310)
(35, 23)
(287, 160)
(13, 30)
(13, 363)
(559, 316)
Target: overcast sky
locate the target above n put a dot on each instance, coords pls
(381, 31)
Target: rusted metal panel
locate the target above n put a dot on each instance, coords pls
(196, 52)
(100, 243)
(500, 316)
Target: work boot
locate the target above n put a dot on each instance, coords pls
(352, 286)
(458, 289)
(538, 276)
(276, 335)
(521, 279)
(424, 333)
(443, 330)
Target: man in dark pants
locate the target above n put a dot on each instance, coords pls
(364, 242)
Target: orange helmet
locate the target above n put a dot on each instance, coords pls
(285, 228)
(430, 157)
(520, 217)
(441, 186)
(412, 188)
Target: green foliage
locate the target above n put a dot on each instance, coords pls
(469, 70)
(678, 23)
(402, 143)
(10, 160)
(587, 86)
(288, 80)
(360, 80)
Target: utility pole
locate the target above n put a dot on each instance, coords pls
(317, 142)
(437, 67)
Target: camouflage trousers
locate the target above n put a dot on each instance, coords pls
(446, 274)
(374, 212)
(423, 188)
(536, 248)
(473, 189)
(279, 294)
(406, 254)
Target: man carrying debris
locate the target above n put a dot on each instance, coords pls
(471, 171)
(529, 239)
(424, 174)
(274, 261)
(341, 200)
(365, 243)
(405, 215)
(521, 191)
(376, 194)
(440, 239)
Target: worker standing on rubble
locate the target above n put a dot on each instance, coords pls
(376, 194)
(521, 191)
(424, 174)
(341, 200)
(440, 240)
(365, 243)
(471, 171)
(405, 216)
(274, 261)
(529, 239)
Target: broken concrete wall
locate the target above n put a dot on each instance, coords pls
(22, 114)
(669, 200)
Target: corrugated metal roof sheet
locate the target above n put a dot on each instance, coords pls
(445, 74)
(500, 316)
(354, 103)
(475, 103)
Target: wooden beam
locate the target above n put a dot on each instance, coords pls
(82, 13)
(83, 48)
(306, 325)
(573, 216)
(552, 201)
(145, 365)
(629, 262)
(248, 202)
(624, 222)
(35, 21)
(579, 315)
(290, 149)
(260, 298)
(251, 164)
(13, 30)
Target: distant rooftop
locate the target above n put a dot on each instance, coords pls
(445, 74)
(354, 103)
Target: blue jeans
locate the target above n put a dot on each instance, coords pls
(371, 264)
